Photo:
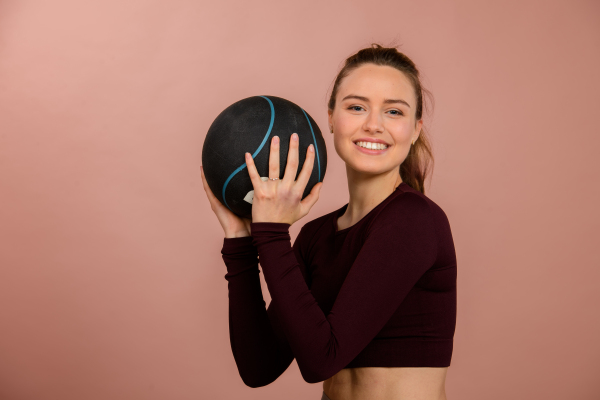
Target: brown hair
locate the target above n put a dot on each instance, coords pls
(415, 167)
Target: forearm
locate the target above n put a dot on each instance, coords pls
(254, 342)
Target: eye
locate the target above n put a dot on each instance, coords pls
(398, 112)
(353, 108)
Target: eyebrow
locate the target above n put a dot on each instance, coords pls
(385, 101)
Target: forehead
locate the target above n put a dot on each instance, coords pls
(377, 82)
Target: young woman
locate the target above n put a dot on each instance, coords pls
(365, 299)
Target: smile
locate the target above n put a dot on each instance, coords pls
(370, 151)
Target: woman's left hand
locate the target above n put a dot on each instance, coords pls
(281, 200)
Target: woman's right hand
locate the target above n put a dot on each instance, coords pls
(233, 225)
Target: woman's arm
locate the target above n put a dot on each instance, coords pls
(401, 245)
(259, 346)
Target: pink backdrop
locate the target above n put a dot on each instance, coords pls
(111, 278)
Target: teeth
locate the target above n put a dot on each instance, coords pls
(371, 145)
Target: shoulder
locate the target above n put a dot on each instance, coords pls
(409, 213)
(406, 207)
(418, 200)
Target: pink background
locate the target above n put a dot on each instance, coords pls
(111, 278)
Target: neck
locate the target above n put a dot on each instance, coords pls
(368, 191)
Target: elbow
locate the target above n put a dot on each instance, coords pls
(318, 369)
(255, 384)
(313, 379)
(257, 375)
(256, 381)
(315, 368)
(315, 375)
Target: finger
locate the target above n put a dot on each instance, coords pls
(254, 176)
(211, 197)
(310, 200)
(307, 168)
(274, 158)
(291, 169)
(205, 184)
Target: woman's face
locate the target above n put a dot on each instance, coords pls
(374, 102)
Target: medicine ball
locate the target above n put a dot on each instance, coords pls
(248, 126)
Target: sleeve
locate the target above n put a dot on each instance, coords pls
(400, 246)
(259, 347)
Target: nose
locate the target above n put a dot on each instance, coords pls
(373, 123)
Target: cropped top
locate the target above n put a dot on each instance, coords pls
(380, 293)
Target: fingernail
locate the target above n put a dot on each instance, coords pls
(311, 148)
(276, 139)
(295, 136)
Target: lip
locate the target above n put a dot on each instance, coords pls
(369, 151)
(372, 140)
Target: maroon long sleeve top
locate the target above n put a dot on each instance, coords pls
(380, 293)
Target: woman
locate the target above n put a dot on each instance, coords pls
(365, 299)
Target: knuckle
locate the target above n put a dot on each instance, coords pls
(265, 195)
(296, 195)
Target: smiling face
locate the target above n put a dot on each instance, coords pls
(374, 103)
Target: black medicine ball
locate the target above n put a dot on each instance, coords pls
(248, 126)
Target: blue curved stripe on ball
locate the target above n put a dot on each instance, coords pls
(314, 140)
(238, 169)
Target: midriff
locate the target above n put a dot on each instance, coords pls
(375, 383)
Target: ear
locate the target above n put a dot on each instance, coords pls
(418, 127)
(329, 120)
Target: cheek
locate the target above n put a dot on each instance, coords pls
(402, 131)
(344, 125)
